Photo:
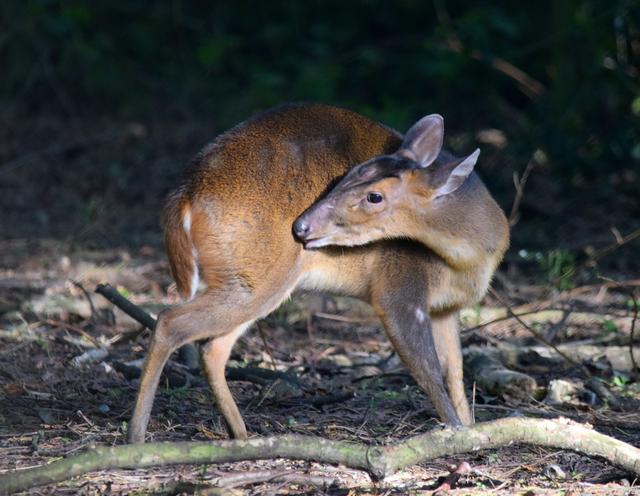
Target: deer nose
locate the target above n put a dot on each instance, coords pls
(301, 228)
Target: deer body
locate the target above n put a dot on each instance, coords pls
(230, 224)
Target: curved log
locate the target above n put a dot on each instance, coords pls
(380, 461)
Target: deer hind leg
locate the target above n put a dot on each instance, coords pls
(400, 301)
(200, 318)
(447, 339)
(215, 354)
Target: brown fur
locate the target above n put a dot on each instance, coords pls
(243, 193)
(178, 244)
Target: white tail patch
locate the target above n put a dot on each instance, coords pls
(186, 221)
(195, 274)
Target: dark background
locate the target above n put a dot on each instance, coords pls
(103, 103)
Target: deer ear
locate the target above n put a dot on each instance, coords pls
(458, 175)
(423, 141)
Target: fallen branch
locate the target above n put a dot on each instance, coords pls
(380, 461)
(543, 306)
(483, 365)
(224, 485)
(132, 310)
(636, 308)
(537, 334)
(251, 374)
(188, 352)
(617, 356)
(282, 476)
(600, 389)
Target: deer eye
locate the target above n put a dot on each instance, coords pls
(374, 198)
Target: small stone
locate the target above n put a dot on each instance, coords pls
(554, 472)
(341, 360)
(366, 371)
(560, 392)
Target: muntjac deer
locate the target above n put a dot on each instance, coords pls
(231, 224)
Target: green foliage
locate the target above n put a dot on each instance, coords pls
(560, 266)
(610, 326)
(124, 291)
(392, 60)
(619, 380)
(177, 393)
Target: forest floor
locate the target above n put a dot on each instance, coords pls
(85, 216)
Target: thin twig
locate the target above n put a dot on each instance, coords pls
(571, 293)
(126, 335)
(565, 312)
(619, 241)
(519, 184)
(539, 306)
(554, 328)
(71, 327)
(346, 319)
(528, 85)
(87, 296)
(636, 307)
(509, 316)
(319, 401)
(84, 417)
(57, 149)
(473, 402)
(451, 480)
(266, 346)
(257, 403)
(602, 252)
(636, 372)
(538, 335)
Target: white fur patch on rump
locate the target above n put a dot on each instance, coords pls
(195, 274)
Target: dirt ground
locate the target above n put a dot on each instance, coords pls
(84, 209)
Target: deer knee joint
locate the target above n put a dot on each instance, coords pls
(162, 334)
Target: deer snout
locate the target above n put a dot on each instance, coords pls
(312, 227)
(301, 228)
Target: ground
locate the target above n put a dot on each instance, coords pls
(89, 215)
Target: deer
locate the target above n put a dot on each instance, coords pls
(241, 222)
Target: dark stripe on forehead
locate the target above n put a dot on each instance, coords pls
(389, 165)
(376, 169)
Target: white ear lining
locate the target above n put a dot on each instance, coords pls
(458, 175)
(465, 167)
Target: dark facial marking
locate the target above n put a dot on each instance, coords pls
(376, 169)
